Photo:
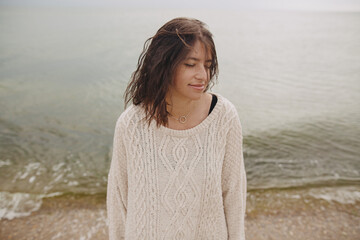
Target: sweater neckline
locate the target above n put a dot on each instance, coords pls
(190, 131)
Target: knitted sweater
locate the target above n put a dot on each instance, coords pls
(177, 184)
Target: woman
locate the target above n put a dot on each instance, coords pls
(177, 169)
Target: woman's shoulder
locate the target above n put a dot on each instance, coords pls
(229, 116)
(132, 115)
(226, 106)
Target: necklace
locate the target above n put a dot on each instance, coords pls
(182, 119)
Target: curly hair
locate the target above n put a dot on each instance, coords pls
(158, 61)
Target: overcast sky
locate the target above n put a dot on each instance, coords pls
(322, 5)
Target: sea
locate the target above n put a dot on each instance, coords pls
(294, 77)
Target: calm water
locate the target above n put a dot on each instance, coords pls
(294, 78)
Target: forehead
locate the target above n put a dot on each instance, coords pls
(199, 51)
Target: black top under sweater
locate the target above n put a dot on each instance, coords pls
(213, 102)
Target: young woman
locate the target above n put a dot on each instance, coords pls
(177, 168)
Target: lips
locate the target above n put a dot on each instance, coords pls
(197, 86)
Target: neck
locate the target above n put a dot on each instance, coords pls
(178, 106)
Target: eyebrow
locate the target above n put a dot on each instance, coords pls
(196, 59)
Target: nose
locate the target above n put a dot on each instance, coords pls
(202, 73)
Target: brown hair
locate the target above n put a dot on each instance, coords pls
(156, 65)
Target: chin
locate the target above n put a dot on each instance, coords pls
(196, 96)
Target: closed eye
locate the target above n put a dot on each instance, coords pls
(189, 65)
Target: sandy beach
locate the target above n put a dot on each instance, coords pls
(269, 216)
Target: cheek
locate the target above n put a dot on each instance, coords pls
(182, 78)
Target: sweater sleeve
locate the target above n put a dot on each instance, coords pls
(116, 199)
(234, 182)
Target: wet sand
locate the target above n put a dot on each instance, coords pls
(269, 216)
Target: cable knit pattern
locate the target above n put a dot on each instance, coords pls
(167, 184)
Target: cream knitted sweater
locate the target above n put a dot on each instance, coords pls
(177, 184)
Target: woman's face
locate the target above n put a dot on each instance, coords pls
(192, 74)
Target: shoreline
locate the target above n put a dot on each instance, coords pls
(269, 215)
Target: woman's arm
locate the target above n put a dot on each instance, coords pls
(234, 182)
(116, 199)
